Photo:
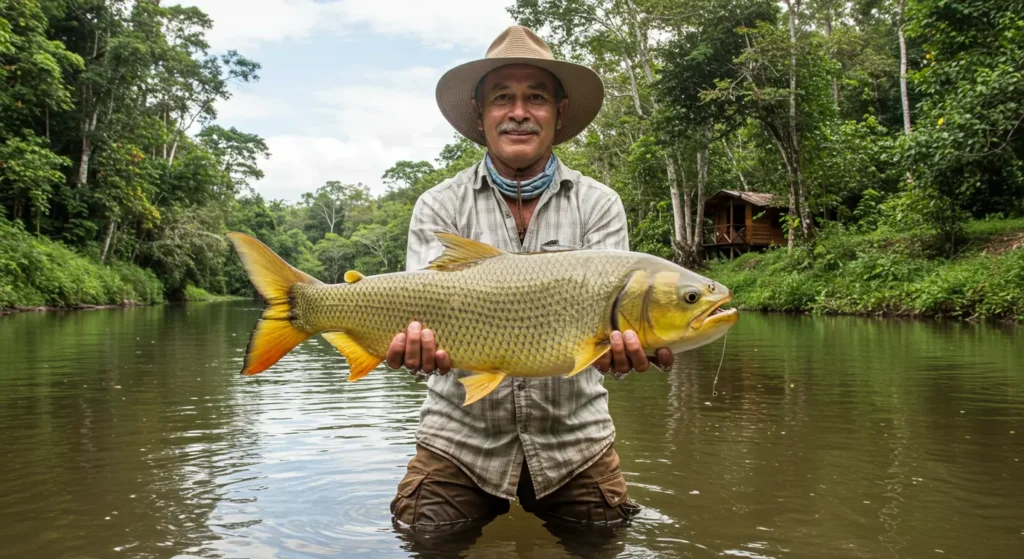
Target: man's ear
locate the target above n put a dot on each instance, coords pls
(479, 114)
(563, 106)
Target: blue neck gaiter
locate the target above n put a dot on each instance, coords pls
(530, 188)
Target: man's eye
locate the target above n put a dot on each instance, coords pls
(538, 97)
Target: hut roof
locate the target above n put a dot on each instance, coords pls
(760, 199)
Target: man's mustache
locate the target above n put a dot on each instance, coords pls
(518, 128)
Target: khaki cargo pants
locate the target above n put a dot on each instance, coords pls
(435, 493)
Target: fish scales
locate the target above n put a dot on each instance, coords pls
(521, 315)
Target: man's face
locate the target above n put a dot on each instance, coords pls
(519, 115)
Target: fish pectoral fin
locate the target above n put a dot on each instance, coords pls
(460, 252)
(590, 353)
(480, 385)
(353, 276)
(360, 361)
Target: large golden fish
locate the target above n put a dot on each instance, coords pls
(497, 314)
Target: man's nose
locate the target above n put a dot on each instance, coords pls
(518, 110)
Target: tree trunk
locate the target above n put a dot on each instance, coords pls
(703, 153)
(174, 150)
(106, 242)
(791, 176)
(680, 213)
(735, 165)
(633, 89)
(83, 164)
(806, 223)
(904, 96)
(88, 126)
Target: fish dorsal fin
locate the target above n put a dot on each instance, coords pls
(353, 276)
(360, 361)
(460, 252)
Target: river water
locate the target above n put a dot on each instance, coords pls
(130, 433)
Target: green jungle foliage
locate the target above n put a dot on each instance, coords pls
(116, 182)
(39, 272)
(883, 272)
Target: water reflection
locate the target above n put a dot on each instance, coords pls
(129, 433)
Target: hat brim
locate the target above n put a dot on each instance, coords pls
(582, 86)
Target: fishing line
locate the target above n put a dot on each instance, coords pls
(714, 392)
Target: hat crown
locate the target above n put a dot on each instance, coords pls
(519, 42)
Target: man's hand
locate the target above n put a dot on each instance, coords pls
(627, 354)
(416, 350)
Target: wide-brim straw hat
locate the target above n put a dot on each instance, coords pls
(519, 45)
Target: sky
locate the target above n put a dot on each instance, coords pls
(346, 87)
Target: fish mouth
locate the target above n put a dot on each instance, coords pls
(715, 314)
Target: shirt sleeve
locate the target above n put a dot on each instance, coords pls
(607, 228)
(429, 216)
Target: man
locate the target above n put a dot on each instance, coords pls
(546, 441)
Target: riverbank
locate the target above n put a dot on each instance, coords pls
(36, 272)
(195, 294)
(886, 273)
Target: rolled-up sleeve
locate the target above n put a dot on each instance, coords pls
(429, 216)
(607, 228)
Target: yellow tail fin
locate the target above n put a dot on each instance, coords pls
(274, 335)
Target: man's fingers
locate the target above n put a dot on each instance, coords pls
(444, 363)
(412, 347)
(665, 357)
(427, 365)
(635, 351)
(396, 352)
(604, 362)
(619, 361)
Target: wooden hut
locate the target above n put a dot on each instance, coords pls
(742, 221)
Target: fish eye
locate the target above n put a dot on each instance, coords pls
(691, 295)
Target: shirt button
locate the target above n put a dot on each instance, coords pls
(522, 428)
(520, 386)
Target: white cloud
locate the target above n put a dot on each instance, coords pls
(361, 131)
(244, 23)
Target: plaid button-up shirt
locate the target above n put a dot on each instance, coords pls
(559, 426)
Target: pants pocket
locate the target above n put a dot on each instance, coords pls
(403, 506)
(613, 489)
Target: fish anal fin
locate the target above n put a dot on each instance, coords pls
(480, 385)
(270, 341)
(353, 276)
(360, 361)
(591, 351)
(460, 252)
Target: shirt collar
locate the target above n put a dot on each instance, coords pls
(564, 177)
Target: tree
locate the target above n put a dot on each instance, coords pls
(29, 173)
(239, 153)
(699, 59)
(407, 173)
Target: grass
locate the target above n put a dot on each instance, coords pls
(37, 272)
(195, 294)
(887, 274)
